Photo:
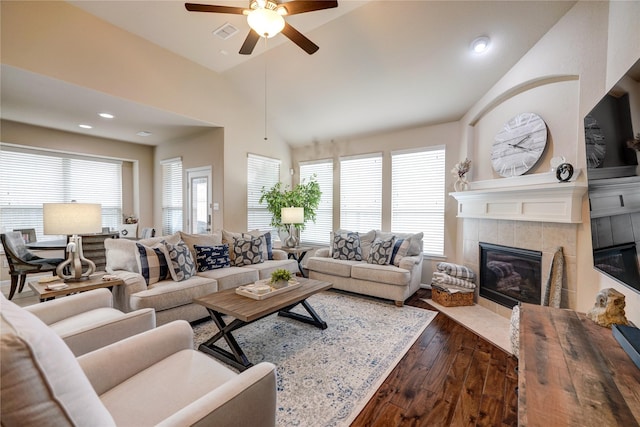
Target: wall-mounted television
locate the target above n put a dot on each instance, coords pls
(614, 181)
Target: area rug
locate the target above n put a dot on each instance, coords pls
(326, 377)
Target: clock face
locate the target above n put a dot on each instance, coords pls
(596, 145)
(519, 145)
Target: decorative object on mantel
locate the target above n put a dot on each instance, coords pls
(609, 308)
(555, 162)
(635, 144)
(553, 291)
(459, 171)
(564, 172)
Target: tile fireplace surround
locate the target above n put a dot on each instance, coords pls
(533, 212)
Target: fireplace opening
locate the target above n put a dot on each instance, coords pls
(619, 262)
(510, 275)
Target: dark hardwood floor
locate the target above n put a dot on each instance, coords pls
(449, 377)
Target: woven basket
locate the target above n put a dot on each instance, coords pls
(452, 300)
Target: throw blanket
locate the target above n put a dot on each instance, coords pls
(444, 279)
(456, 270)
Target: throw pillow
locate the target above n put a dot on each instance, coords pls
(247, 251)
(267, 249)
(182, 265)
(152, 262)
(212, 257)
(228, 238)
(381, 251)
(347, 247)
(400, 249)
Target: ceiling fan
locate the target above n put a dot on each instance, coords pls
(265, 17)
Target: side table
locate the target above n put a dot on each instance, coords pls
(297, 253)
(94, 282)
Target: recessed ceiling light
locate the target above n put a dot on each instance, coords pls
(480, 44)
(144, 133)
(106, 115)
(83, 126)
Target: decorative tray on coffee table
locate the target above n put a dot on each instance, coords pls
(251, 291)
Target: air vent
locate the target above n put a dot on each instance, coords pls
(226, 31)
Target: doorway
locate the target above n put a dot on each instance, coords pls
(199, 192)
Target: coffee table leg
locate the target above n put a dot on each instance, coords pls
(312, 319)
(236, 359)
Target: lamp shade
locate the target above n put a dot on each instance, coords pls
(72, 218)
(292, 215)
(265, 22)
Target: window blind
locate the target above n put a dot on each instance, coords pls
(318, 232)
(261, 172)
(172, 212)
(361, 192)
(417, 198)
(29, 178)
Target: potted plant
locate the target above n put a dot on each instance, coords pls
(280, 278)
(305, 195)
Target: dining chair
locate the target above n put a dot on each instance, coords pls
(22, 261)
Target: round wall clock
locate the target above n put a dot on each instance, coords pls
(596, 145)
(519, 145)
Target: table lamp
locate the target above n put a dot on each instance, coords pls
(73, 219)
(292, 216)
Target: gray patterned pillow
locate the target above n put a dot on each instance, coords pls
(182, 265)
(380, 252)
(347, 247)
(247, 250)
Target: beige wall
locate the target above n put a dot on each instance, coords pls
(571, 67)
(43, 37)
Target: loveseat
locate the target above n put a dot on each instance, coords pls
(166, 273)
(380, 264)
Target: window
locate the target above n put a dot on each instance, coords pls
(318, 232)
(261, 172)
(361, 192)
(29, 178)
(417, 198)
(171, 196)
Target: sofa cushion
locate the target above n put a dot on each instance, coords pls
(347, 247)
(381, 273)
(182, 263)
(169, 294)
(42, 383)
(230, 277)
(191, 240)
(212, 257)
(365, 240)
(380, 252)
(152, 262)
(247, 250)
(331, 266)
(121, 253)
(415, 240)
(269, 266)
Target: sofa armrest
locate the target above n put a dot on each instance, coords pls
(247, 400)
(132, 355)
(409, 262)
(322, 252)
(58, 309)
(98, 335)
(279, 254)
(133, 283)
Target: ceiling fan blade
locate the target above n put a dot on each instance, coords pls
(249, 43)
(194, 7)
(301, 6)
(298, 38)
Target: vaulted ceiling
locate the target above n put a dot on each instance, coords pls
(382, 65)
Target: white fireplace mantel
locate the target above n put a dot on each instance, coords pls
(538, 197)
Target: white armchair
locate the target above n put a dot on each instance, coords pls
(88, 321)
(154, 378)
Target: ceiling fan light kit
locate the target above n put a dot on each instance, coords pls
(265, 17)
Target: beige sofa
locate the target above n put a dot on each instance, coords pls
(171, 299)
(386, 280)
(153, 378)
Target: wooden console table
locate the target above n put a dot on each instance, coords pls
(572, 372)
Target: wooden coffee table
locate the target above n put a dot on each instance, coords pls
(245, 310)
(94, 282)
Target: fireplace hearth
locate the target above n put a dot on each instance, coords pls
(510, 275)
